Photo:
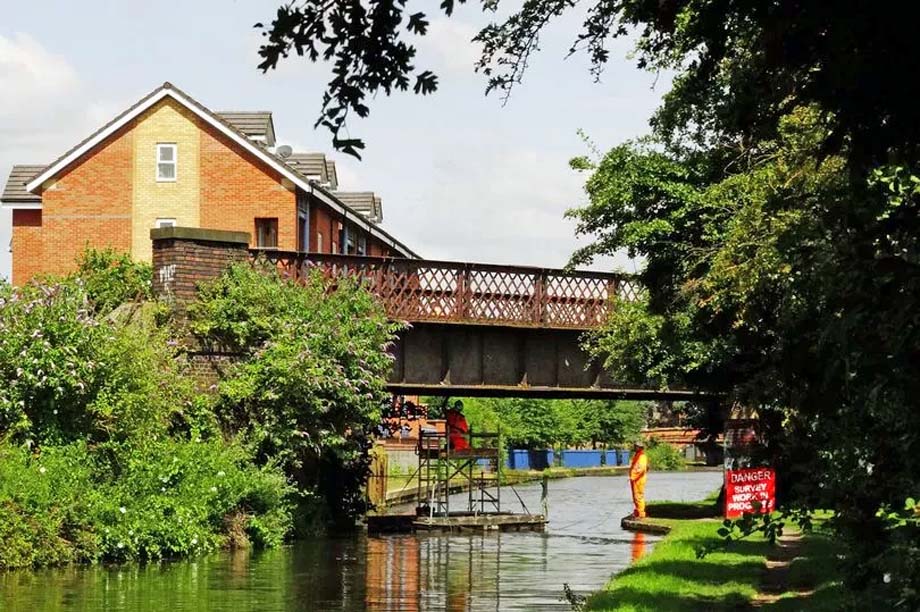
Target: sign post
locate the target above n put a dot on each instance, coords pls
(749, 491)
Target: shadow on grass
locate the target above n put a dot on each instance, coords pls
(642, 600)
(678, 585)
(681, 510)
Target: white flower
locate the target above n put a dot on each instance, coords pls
(42, 470)
(122, 509)
(194, 541)
(886, 578)
(221, 474)
(213, 489)
(120, 545)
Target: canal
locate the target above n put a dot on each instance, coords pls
(582, 546)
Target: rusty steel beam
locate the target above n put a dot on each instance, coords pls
(618, 393)
(443, 359)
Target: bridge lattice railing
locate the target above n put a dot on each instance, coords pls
(455, 292)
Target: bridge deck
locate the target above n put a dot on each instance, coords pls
(480, 294)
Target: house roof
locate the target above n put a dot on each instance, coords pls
(332, 174)
(15, 189)
(254, 124)
(309, 164)
(278, 164)
(315, 165)
(365, 202)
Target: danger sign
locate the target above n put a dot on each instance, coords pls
(749, 491)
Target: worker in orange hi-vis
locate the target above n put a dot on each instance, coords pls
(638, 470)
(457, 427)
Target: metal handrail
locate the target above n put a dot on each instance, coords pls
(461, 292)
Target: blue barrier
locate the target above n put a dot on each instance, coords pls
(581, 458)
(617, 457)
(520, 459)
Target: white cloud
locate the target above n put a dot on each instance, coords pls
(448, 44)
(33, 78)
(46, 110)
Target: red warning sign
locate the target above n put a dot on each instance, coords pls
(749, 491)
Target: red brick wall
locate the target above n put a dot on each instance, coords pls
(320, 223)
(89, 204)
(27, 244)
(236, 188)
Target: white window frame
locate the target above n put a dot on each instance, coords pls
(174, 161)
(165, 222)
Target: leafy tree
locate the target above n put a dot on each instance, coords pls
(740, 66)
(309, 391)
(780, 283)
(538, 424)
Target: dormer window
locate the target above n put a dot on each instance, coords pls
(166, 163)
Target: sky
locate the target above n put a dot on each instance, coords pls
(462, 176)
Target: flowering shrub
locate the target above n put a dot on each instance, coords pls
(309, 391)
(106, 451)
(67, 373)
(158, 499)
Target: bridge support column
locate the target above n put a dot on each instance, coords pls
(183, 257)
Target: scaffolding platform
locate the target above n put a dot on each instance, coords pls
(497, 521)
(443, 469)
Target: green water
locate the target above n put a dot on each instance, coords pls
(582, 546)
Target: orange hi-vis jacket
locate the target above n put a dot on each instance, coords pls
(638, 470)
(457, 429)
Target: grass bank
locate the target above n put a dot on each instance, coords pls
(672, 579)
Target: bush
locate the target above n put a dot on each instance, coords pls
(135, 500)
(111, 278)
(309, 393)
(68, 373)
(106, 451)
(663, 456)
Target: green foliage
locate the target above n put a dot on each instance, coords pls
(149, 499)
(309, 393)
(539, 424)
(672, 578)
(664, 457)
(101, 450)
(759, 285)
(111, 278)
(67, 372)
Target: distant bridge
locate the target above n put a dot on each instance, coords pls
(488, 330)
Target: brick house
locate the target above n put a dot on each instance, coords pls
(170, 161)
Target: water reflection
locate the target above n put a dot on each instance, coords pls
(638, 547)
(583, 546)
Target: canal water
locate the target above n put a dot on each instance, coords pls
(582, 546)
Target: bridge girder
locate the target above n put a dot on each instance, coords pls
(502, 361)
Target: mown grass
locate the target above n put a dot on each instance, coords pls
(672, 579)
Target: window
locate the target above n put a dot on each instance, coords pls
(166, 223)
(166, 162)
(362, 245)
(349, 241)
(267, 233)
